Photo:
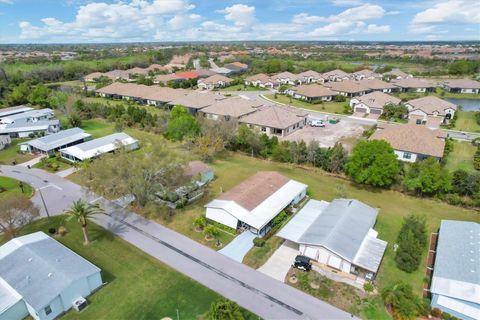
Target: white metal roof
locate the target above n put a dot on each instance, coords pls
(270, 207)
(27, 115)
(99, 146)
(459, 306)
(5, 112)
(28, 126)
(8, 296)
(58, 139)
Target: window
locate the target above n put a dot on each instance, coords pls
(48, 310)
(407, 155)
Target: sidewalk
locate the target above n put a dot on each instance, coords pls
(32, 162)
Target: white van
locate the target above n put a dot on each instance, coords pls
(317, 123)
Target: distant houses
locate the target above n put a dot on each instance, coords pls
(42, 279)
(455, 284)
(214, 82)
(348, 88)
(430, 110)
(312, 93)
(462, 86)
(412, 142)
(259, 80)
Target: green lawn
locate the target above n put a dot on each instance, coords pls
(12, 153)
(241, 87)
(393, 206)
(461, 156)
(466, 121)
(98, 127)
(331, 107)
(10, 187)
(138, 286)
(52, 164)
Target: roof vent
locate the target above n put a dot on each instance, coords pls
(50, 275)
(30, 259)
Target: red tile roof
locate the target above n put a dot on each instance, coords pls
(187, 74)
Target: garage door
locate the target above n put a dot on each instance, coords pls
(311, 253)
(363, 110)
(334, 262)
(375, 111)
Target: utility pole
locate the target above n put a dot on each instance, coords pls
(43, 201)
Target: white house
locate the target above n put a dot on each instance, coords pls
(27, 129)
(412, 142)
(259, 80)
(54, 142)
(253, 204)
(312, 93)
(41, 278)
(335, 75)
(455, 286)
(286, 78)
(462, 86)
(338, 235)
(310, 76)
(430, 110)
(414, 85)
(29, 116)
(215, 81)
(372, 103)
(97, 147)
(5, 112)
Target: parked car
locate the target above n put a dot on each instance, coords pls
(302, 263)
(317, 123)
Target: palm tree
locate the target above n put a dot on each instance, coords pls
(83, 211)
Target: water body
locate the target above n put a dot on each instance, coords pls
(467, 104)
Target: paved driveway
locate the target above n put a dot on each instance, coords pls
(251, 289)
(238, 247)
(280, 262)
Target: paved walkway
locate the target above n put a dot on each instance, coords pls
(279, 263)
(238, 247)
(251, 289)
(32, 162)
(66, 172)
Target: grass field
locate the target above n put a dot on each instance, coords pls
(138, 286)
(12, 187)
(241, 87)
(393, 206)
(50, 163)
(461, 157)
(466, 121)
(331, 107)
(11, 153)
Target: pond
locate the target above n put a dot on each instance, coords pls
(467, 104)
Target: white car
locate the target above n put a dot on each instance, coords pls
(317, 123)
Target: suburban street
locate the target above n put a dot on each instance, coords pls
(253, 290)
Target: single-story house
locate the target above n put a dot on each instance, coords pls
(222, 71)
(462, 86)
(166, 78)
(136, 71)
(163, 96)
(338, 235)
(117, 74)
(286, 78)
(29, 116)
(4, 141)
(92, 77)
(6, 112)
(99, 146)
(412, 142)
(372, 103)
(335, 75)
(430, 110)
(259, 80)
(414, 85)
(41, 278)
(215, 81)
(236, 67)
(51, 143)
(378, 85)
(26, 129)
(396, 74)
(365, 74)
(276, 120)
(310, 76)
(231, 108)
(197, 100)
(312, 93)
(455, 286)
(253, 204)
(348, 88)
(200, 172)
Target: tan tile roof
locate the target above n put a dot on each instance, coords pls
(412, 138)
(430, 104)
(367, 73)
(413, 83)
(164, 94)
(166, 77)
(240, 65)
(310, 73)
(346, 86)
(259, 77)
(376, 84)
(234, 107)
(378, 100)
(136, 70)
(336, 72)
(256, 189)
(284, 75)
(141, 91)
(314, 90)
(198, 99)
(215, 79)
(462, 83)
(397, 72)
(92, 76)
(278, 117)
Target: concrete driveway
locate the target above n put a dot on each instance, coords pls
(238, 247)
(281, 261)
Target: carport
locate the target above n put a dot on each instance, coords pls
(238, 248)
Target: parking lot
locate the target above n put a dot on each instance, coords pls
(327, 136)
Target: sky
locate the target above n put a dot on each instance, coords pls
(74, 21)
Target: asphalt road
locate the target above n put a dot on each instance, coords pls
(264, 296)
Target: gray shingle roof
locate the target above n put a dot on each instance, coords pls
(58, 139)
(39, 268)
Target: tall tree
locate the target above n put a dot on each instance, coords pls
(182, 124)
(399, 297)
(427, 177)
(411, 240)
(83, 211)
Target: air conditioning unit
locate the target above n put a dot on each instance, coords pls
(79, 304)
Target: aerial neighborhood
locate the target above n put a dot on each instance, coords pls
(162, 160)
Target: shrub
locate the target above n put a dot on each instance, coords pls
(368, 287)
(62, 231)
(411, 240)
(437, 313)
(340, 98)
(258, 242)
(211, 231)
(200, 222)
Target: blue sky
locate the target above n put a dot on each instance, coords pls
(54, 21)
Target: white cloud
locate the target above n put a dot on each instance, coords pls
(6, 1)
(373, 28)
(346, 3)
(305, 18)
(241, 15)
(392, 13)
(450, 11)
